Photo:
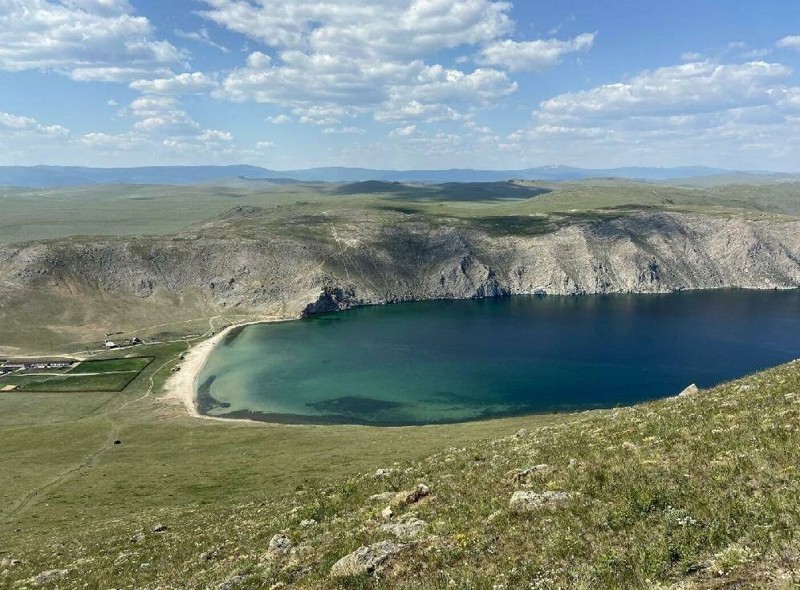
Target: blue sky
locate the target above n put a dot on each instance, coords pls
(401, 83)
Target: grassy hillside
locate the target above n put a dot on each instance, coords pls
(137, 210)
(698, 491)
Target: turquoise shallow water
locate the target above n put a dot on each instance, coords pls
(452, 361)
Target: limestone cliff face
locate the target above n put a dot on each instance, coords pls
(377, 262)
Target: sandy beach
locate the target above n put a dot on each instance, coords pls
(182, 385)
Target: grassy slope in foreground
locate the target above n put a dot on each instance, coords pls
(699, 491)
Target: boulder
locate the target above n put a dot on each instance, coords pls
(691, 390)
(365, 560)
(279, 545)
(382, 497)
(408, 530)
(49, 576)
(413, 496)
(523, 501)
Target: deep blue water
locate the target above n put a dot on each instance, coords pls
(451, 361)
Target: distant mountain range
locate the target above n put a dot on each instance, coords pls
(53, 176)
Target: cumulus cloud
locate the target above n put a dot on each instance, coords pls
(533, 56)
(187, 83)
(362, 28)
(790, 42)
(702, 112)
(88, 40)
(686, 88)
(21, 125)
(376, 57)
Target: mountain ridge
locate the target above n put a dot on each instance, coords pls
(44, 176)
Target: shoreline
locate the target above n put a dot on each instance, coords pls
(181, 386)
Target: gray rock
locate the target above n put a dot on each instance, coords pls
(380, 473)
(413, 496)
(9, 561)
(408, 530)
(307, 523)
(387, 513)
(230, 583)
(137, 537)
(691, 390)
(523, 501)
(382, 497)
(365, 560)
(520, 475)
(159, 528)
(49, 576)
(279, 545)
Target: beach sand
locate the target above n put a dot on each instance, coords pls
(182, 385)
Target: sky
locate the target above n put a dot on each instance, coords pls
(399, 84)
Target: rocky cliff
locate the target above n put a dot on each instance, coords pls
(325, 265)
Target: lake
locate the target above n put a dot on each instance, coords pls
(454, 361)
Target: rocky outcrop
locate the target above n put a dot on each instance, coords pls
(365, 560)
(258, 269)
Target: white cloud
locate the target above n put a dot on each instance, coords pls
(89, 40)
(344, 131)
(264, 145)
(187, 83)
(702, 113)
(374, 57)
(691, 56)
(363, 28)
(407, 131)
(200, 36)
(533, 56)
(686, 88)
(790, 42)
(21, 125)
(209, 135)
(414, 110)
(279, 119)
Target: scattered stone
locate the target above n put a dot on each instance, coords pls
(159, 528)
(382, 497)
(230, 583)
(137, 537)
(309, 522)
(123, 557)
(521, 433)
(412, 497)
(9, 561)
(212, 553)
(494, 516)
(409, 530)
(629, 446)
(387, 513)
(523, 501)
(382, 473)
(691, 390)
(49, 576)
(520, 475)
(279, 546)
(365, 560)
